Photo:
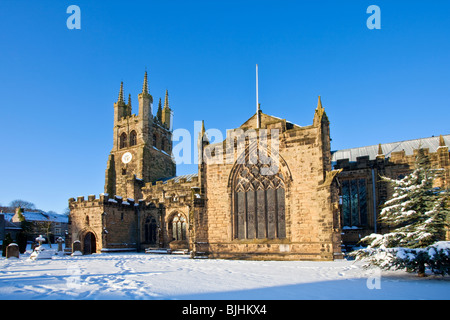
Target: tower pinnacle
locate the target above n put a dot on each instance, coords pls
(120, 99)
(320, 114)
(380, 149)
(159, 112)
(145, 85)
(166, 100)
(319, 106)
(166, 113)
(441, 141)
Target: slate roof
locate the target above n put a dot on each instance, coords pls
(176, 179)
(40, 216)
(408, 146)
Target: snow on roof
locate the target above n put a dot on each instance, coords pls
(285, 120)
(176, 179)
(408, 146)
(43, 216)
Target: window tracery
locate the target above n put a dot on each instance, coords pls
(259, 202)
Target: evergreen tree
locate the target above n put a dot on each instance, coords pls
(417, 217)
(6, 242)
(22, 241)
(23, 235)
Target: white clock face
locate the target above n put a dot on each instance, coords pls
(126, 157)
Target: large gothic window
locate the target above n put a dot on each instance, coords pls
(354, 203)
(259, 204)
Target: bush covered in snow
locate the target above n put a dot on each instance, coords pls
(436, 257)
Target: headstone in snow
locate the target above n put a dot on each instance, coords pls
(76, 248)
(60, 242)
(42, 253)
(60, 251)
(12, 251)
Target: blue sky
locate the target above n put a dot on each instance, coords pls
(58, 86)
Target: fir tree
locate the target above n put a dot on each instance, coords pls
(26, 230)
(417, 217)
(6, 242)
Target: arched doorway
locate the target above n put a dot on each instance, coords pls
(150, 230)
(90, 245)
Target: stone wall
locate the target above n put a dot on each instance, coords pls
(311, 211)
(173, 197)
(397, 165)
(112, 220)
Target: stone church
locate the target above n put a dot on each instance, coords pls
(270, 190)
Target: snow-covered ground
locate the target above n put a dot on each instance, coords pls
(149, 276)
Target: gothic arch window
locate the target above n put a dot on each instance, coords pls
(163, 144)
(150, 230)
(178, 227)
(259, 203)
(123, 140)
(133, 138)
(154, 140)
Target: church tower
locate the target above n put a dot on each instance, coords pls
(141, 147)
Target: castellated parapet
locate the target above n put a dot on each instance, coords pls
(173, 190)
(111, 221)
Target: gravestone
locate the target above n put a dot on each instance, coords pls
(12, 251)
(60, 242)
(76, 248)
(40, 239)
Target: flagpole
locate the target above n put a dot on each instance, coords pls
(258, 124)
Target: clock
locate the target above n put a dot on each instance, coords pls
(127, 156)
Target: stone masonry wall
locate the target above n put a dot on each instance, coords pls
(311, 209)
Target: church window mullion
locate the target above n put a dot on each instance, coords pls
(245, 216)
(266, 215)
(251, 214)
(275, 213)
(281, 212)
(240, 214)
(236, 225)
(260, 209)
